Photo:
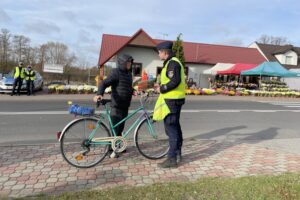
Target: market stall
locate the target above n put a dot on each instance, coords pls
(270, 74)
(234, 80)
(219, 66)
(271, 69)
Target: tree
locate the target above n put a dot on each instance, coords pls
(276, 40)
(14, 48)
(4, 49)
(21, 48)
(178, 49)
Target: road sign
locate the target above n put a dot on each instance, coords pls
(54, 68)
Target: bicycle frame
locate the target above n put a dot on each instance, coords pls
(143, 115)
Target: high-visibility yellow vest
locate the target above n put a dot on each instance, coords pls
(179, 91)
(30, 75)
(18, 73)
(161, 109)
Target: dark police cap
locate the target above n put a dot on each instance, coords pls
(165, 45)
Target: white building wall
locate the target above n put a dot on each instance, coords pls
(282, 58)
(148, 57)
(196, 73)
(150, 61)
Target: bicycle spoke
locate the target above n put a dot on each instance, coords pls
(151, 139)
(76, 147)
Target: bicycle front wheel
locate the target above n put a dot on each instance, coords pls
(151, 139)
(75, 146)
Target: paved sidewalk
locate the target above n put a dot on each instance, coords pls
(29, 170)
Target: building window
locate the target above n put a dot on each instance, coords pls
(288, 60)
(137, 69)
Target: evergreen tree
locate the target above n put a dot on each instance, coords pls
(178, 48)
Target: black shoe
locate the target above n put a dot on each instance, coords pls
(168, 163)
(11, 94)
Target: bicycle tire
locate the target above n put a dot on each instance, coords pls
(66, 132)
(161, 144)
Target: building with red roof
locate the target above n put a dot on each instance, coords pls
(198, 56)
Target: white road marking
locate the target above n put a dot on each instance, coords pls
(184, 111)
(283, 103)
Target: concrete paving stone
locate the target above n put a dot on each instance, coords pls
(63, 175)
(52, 180)
(39, 185)
(18, 187)
(31, 164)
(81, 182)
(3, 179)
(42, 177)
(72, 171)
(54, 172)
(136, 178)
(10, 183)
(46, 169)
(15, 175)
(38, 167)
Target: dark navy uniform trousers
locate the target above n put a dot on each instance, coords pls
(173, 128)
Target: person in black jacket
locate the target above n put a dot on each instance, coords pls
(120, 80)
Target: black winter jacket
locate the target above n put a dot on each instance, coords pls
(120, 80)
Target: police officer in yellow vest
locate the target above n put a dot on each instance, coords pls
(19, 75)
(172, 92)
(30, 77)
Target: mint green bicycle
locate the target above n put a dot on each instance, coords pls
(85, 141)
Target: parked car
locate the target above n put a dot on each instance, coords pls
(7, 81)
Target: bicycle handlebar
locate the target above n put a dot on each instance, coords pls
(145, 95)
(102, 102)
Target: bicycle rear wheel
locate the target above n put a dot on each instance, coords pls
(75, 146)
(151, 139)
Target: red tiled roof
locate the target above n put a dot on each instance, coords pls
(111, 44)
(194, 52)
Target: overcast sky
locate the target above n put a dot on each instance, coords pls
(80, 24)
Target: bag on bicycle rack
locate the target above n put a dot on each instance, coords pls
(80, 110)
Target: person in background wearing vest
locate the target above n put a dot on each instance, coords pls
(120, 80)
(19, 75)
(30, 77)
(172, 89)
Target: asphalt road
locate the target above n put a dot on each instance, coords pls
(275, 124)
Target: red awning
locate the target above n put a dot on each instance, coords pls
(237, 68)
